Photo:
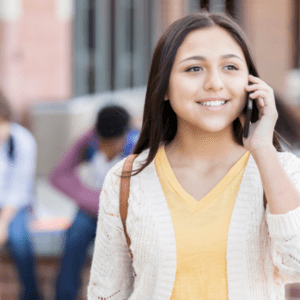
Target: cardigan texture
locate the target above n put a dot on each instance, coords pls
(263, 250)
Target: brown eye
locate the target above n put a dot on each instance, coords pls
(231, 67)
(194, 69)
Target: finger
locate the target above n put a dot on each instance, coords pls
(266, 98)
(254, 87)
(259, 96)
(260, 102)
(262, 94)
(258, 93)
(257, 80)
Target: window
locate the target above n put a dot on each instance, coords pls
(214, 5)
(113, 41)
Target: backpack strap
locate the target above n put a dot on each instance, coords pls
(124, 194)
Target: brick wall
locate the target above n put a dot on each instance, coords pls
(171, 11)
(270, 26)
(35, 53)
(47, 268)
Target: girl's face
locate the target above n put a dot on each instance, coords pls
(209, 66)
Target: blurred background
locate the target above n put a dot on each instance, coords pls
(61, 60)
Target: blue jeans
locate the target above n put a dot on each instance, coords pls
(78, 238)
(22, 252)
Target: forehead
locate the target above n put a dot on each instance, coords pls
(210, 42)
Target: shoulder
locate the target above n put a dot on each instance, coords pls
(132, 137)
(133, 134)
(116, 171)
(109, 197)
(113, 177)
(88, 138)
(23, 138)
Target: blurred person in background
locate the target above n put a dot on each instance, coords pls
(18, 151)
(111, 139)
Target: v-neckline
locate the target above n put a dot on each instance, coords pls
(213, 193)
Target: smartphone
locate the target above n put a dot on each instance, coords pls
(248, 117)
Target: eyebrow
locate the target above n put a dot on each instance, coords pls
(202, 58)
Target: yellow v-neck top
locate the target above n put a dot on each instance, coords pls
(201, 230)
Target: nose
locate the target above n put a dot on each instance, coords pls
(213, 81)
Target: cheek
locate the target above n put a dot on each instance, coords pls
(238, 89)
(240, 97)
(239, 84)
(182, 87)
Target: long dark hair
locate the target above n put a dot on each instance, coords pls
(159, 119)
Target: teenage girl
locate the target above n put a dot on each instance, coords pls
(197, 221)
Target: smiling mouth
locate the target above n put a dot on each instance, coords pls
(212, 108)
(217, 103)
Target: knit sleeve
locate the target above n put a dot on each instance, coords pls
(284, 230)
(111, 274)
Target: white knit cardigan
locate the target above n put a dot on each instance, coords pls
(263, 250)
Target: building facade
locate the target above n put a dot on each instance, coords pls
(53, 50)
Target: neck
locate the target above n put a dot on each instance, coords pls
(108, 152)
(209, 147)
(111, 148)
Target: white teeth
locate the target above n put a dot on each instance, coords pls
(213, 103)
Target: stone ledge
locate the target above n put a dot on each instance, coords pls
(47, 271)
(49, 244)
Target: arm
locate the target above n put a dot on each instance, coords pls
(281, 182)
(64, 178)
(20, 180)
(6, 215)
(111, 272)
(281, 193)
(21, 175)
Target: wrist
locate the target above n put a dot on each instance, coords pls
(4, 224)
(263, 152)
(6, 215)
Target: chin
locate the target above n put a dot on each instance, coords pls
(213, 128)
